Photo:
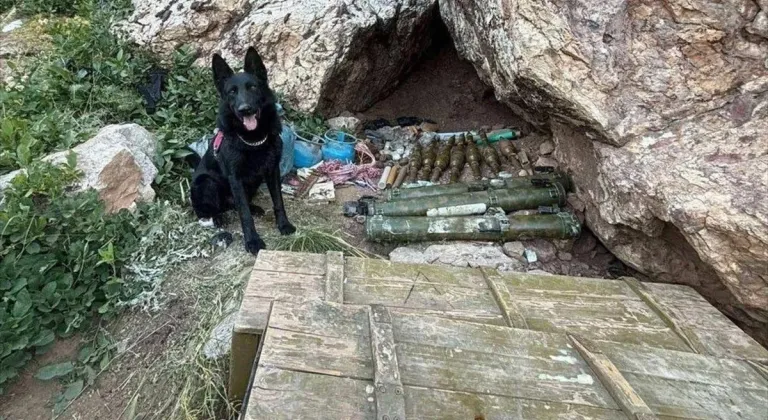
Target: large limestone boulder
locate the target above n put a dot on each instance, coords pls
(117, 162)
(323, 55)
(660, 111)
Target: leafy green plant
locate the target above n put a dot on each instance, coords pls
(61, 257)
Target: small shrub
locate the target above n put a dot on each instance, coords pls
(60, 262)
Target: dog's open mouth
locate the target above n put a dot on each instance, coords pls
(251, 122)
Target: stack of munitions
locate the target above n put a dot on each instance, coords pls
(473, 157)
(443, 159)
(457, 160)
(480, 208)
(427, 159)
(489, 153)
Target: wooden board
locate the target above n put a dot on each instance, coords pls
(434, 357)
(625, 311)
(685, 385)
(709, 331)
(598, 309)
(323, 360)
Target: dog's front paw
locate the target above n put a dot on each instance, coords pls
(255, 245)
(286, 228)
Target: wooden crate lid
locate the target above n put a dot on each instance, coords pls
(658, 315)
(322, 360)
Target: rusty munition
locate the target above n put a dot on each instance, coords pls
(472, 156)
(533, 181)
(485, 228)
(443, 159)
(457, 160)
(428, 159)
(400, 177)
(414, 164)
(489, 153)
(508, 151)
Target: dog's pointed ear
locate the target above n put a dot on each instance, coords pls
(254, 65)
(221, 72)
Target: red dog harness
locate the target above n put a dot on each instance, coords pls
(217, 142)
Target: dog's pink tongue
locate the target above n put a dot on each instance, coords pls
(250, 122)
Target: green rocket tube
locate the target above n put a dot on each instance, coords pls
(450, 189)
(483, 228)
(507, 199)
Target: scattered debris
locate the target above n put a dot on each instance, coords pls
(222, 239)
(220, 339)
(515, 249)
(546, 161)
(545, 250)
(530, 256)
(322, 192)
(547, 148)
(349, 124)
(12, 26)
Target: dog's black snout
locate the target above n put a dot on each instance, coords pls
(245, 109)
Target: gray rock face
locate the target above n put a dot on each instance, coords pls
(659, 110)
(323, 55)
(117, 162)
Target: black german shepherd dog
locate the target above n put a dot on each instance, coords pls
(245, 151)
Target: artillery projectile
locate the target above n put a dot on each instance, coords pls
(400, 177)
(474, 228)
(489, 153)
(415, 163)
(428, 159)
(392, 176)
(473, 157)
(443, 159)
(508, 151)
(457, 160)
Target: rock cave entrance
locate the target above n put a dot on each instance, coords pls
(446, 89)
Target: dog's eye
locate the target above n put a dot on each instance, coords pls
(232, 90)
(251, 87)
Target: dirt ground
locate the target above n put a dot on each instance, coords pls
(447, 90)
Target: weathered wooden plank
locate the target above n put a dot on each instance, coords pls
(285, 286)
(338, 356)
(629, 401)
(691, 400)
(706, 327)
(513, 316)
(242, 355)
(322, 319)
(526, 377)
(688, 367)
(461, 336)
(334, 277)
(290, 262)
(439, 404)
(564, 285)
(390, 402)
(468, 316)
(419, 295)
(660, 337)
(279, 394)
(373, 269)
(597, 309)
(687, 385)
